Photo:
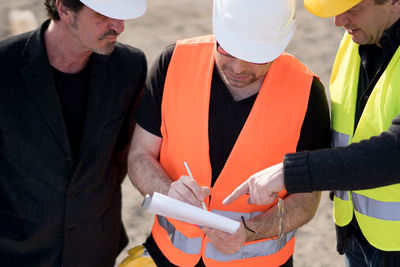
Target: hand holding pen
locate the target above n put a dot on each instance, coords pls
(186, 189)
(191, 176)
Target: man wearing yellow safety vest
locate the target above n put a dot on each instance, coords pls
(364, 168)
(227, 104)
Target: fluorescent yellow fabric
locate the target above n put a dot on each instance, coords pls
(381, 229)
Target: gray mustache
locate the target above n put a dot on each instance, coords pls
(109, 33)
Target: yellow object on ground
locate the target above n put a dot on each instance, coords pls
(138, 257)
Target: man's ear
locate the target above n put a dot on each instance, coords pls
(64, 12)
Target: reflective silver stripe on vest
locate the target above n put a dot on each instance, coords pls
(340, 139)
(264, 248)
(179, 240)
(388, 211)
(343, 195)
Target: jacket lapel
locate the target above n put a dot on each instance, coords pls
(39, 79)
(97, 97)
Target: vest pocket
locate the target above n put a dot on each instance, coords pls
(10, 225)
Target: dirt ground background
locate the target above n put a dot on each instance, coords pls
(165, 21)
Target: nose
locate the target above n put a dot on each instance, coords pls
(341, 20)
(117, 25)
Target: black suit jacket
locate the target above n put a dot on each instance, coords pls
(48, 207)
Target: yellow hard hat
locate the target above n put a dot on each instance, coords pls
(329, 8)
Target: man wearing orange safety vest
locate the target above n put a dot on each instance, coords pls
(227, 104)
(363, 168)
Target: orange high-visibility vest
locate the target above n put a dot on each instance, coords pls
(272, 129)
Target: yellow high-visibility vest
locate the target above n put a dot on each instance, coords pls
(377, 210)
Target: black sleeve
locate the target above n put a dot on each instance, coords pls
(148, 114)
(316, 129)
(368, 164)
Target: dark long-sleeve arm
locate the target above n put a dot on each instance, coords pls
(368, 164)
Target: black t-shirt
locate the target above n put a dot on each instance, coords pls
(226, 120)
(72, 91)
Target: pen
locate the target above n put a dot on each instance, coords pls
(191, 176)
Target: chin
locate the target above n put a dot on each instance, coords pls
(238, 84)
(104, 52)
(362, 40)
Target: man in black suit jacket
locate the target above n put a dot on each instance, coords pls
(67, 95)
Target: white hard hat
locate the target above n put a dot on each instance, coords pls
(118, 9)
(256, 31)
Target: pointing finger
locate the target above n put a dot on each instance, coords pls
(240, 190)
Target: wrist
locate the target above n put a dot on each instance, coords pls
(295, 173)
(250, 233)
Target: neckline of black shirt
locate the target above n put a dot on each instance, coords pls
(226, 120)
(72, 90)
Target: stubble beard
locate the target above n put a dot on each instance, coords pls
(110, 46)
(237, 83)
(107, 50)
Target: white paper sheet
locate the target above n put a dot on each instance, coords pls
(169, 207)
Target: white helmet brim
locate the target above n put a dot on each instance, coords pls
(118, 9)
(256, 31)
